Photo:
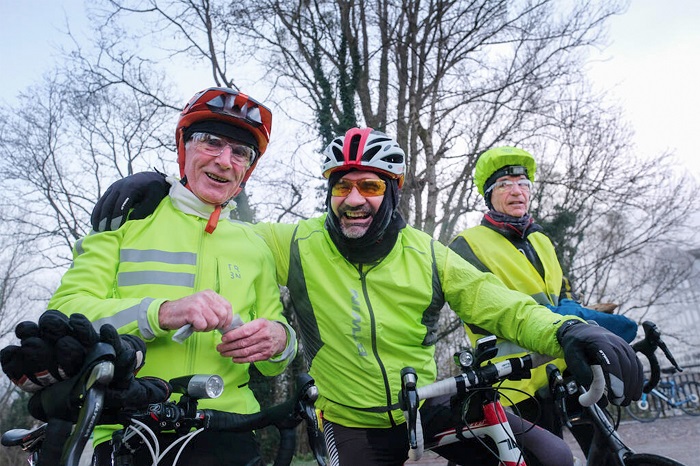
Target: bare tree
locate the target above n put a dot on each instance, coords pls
(59, 147)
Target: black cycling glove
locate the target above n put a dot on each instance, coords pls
(585, 345)
(131, 198)
(63, 400)
(54, 349)
(50, 351)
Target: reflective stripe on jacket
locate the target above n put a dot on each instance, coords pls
(361, 324)
(122, 277)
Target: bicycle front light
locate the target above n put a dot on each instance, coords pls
(199, 386)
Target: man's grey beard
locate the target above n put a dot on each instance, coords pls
(353, 232)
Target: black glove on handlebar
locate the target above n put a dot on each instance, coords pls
(134, 393)
(127, 391)
(585, 345)
(50, 351)
(54, 349)
(130, 352)
(133, 197)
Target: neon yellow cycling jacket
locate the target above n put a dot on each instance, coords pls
(362, 323)
(122, 277)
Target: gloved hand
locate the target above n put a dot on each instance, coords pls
(585, 345)
(55, 350)
(50, 351)
(137, 392)
(125, 390)
(62, 400)
(130, 352)
(141, 192)
(50, 359)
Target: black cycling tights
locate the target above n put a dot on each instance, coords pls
(206, 449)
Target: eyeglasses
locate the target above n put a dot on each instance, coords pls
(242, 155)
(507, 185)
(366, 187)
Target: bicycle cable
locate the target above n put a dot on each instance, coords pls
(465, 421)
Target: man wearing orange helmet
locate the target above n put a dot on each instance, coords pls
(187, 267)
(368, 290)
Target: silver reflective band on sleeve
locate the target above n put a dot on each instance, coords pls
(155, 277)
(289, 349)
(79, 247)
(137, 313)
(154, 255)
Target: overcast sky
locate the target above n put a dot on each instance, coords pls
(652, 64)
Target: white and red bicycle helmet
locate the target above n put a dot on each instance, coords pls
(227, 112)
(365, 149)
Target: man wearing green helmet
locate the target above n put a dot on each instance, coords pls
(509, 244)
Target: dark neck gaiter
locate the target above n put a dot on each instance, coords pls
(509, 226)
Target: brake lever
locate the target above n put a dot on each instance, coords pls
(558, 391)
(669, 356)
(409, 400)
(307, 411)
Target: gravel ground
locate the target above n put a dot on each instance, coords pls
(675, 437)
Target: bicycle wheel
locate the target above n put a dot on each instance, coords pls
(690, 391)
(645, 410)
(647, 459)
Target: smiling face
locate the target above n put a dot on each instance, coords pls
(513, 201)
(213, 180)
(354, 211)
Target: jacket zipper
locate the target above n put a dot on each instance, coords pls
(373, 334)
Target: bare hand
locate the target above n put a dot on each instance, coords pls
(204, 310)
(257, 340)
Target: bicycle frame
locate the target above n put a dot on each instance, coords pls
(669, 392)
(495, 425)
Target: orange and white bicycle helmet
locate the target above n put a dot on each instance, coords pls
(365, 149)
(226, 112)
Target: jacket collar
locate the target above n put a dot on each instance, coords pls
(183, 199)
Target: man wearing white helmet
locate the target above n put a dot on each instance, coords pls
(509, 244)
(368, 290)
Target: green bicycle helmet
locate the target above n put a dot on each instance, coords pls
(502, 161)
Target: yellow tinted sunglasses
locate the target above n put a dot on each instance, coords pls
(366, 187)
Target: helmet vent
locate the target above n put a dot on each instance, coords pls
(338, 154)
(370, 153)
(354, 146)
(393, 158)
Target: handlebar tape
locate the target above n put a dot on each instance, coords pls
(597, 387)
(648, 349)
(235, 422)
(288, 443)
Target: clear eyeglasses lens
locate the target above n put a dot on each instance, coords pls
(214, 146)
